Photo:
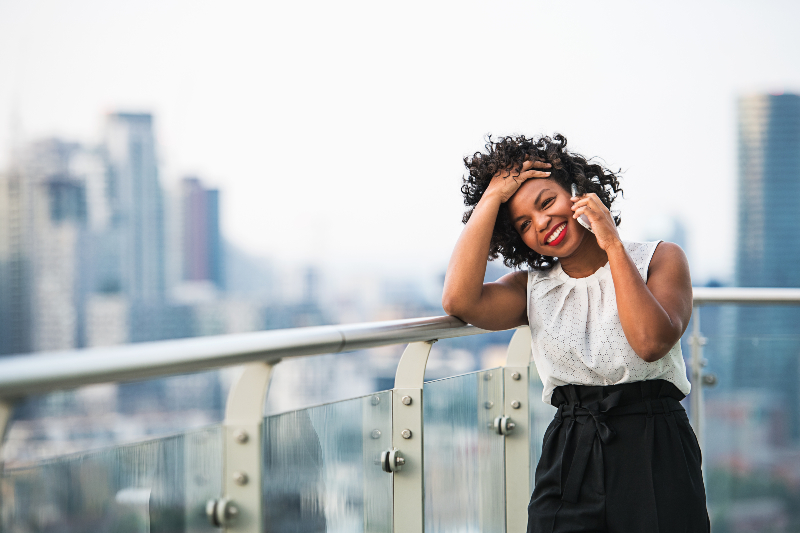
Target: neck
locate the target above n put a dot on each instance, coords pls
(586, 260)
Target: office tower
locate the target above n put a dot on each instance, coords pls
(136, 206)
(53, 232)
(769, 187)
(15, 334)
(202, 251)
(52, 210)
(768, 253)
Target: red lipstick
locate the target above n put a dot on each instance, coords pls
(560, 237)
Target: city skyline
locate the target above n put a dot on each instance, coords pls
(347, 133)
(174, 169)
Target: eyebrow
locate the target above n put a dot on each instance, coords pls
(534, 203)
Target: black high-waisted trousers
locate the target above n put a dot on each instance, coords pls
(619, 459)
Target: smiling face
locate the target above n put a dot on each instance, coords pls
(541, 211)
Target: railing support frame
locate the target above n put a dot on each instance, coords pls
(408, 505)
(696, 364)
(516, 375)
(240, 510)
(6, 412)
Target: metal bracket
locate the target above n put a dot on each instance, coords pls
(407, 467)
(503, 425)
(392, 460)
(516, 375)
(240, 510)
(221, 512)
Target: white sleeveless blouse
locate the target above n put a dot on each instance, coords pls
(577, 335)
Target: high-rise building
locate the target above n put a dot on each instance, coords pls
(200, 235)
(768, 253)
(53, 235)
(136, 206)
(15, 334)
(53, 212)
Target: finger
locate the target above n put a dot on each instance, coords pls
(535, 174)
(597, 202)
(579, 201)
(586, 199)
(527, 164)
(532, 174)
(596, 199)
(541, 164)
(582, 211)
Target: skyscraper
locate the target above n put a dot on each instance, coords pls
(768, 253)
(136, 205)
(51, 235)
(202, 252)
(15, 334)
(769, 189)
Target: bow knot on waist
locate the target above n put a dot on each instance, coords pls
(597, 412)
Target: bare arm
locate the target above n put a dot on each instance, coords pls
(653, 315)
(499, 305)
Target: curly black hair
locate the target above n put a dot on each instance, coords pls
(508, 153)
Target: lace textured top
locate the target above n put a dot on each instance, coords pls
(577, 336)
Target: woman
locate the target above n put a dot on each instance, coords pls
(606, 318)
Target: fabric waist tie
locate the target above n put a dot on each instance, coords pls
(594, 419)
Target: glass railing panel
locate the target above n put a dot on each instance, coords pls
(322, 467)
(541, 414)
(751, 432)
(303, 382)
(158, 485)
(464, 469)
(111, 414)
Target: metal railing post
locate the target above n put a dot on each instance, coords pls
(517, 442)
(489, 414)
(376, 423)
(405, 459)
(696, 363)
(240, 509)
(6, 411)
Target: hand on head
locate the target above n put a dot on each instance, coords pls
(506, 182)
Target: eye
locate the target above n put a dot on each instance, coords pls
(524, 226)
(548, 202)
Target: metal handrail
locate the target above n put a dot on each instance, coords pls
(745, 296)
(22, 375)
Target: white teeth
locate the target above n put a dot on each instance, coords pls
(556, 233)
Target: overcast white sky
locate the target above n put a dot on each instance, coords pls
(336, 129)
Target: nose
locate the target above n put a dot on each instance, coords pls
(541, 221)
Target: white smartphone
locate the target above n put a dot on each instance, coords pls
(583, 220)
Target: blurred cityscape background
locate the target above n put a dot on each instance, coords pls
(319, 185)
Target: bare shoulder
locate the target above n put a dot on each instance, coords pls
(517, 280)
(669, 264)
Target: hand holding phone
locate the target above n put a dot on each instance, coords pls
(583, 220)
